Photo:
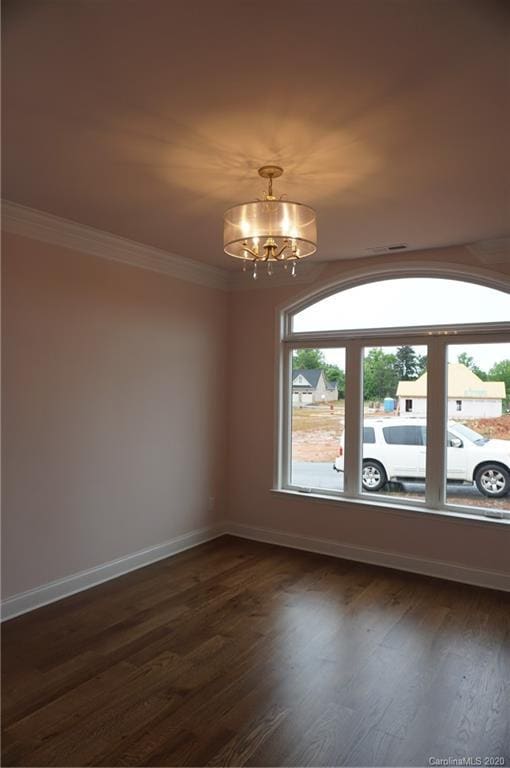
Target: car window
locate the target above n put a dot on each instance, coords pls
(405, 435)
(368, 435)
(471, 435)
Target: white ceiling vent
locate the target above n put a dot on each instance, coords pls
(387, 248)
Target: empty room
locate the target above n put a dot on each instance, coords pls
(255, 279)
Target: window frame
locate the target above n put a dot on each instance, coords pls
(437, 338)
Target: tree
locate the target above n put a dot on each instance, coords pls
(406, 363)
(380, 375)
(478, 371)
(308, 358)
(469, 362)
(466, 360)
(501, 372)
(421, 364)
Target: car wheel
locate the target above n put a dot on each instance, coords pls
(373, 476)
(493, 480)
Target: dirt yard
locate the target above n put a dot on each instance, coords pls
(495, 429)
(316, 430)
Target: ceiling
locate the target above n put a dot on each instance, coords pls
(147, 118)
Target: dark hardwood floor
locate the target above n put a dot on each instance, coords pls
(239, 653)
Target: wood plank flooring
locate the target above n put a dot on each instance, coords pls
(237, 653)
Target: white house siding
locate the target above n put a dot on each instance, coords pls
(471, 408)
(419, 406)
(322, 393)
(474, 409)
(318, 396)
(302, 398)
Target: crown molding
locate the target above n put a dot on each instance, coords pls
(39, 225)
(46, 227)
(495, 251)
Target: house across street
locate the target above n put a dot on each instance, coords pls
(469, 397)
(310, 385)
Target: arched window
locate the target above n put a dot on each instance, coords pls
(397, 391)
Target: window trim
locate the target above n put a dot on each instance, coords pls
(400, 510)
(436, 337)
(391, 271)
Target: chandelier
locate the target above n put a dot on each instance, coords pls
(269, 231)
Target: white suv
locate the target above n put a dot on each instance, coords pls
(395, 449)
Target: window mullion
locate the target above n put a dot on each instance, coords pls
(353, 416)
(436, 423)
(285, 419)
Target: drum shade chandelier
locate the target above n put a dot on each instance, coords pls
(269, 231)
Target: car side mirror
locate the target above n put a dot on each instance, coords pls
(456, 442)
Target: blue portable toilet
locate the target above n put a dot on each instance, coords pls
(389, 404)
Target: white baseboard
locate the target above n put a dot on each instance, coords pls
(425, 567)
(77, 582)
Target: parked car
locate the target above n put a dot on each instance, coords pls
(395, 449)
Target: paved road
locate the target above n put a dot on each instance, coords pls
(322, 475)
(315, 474)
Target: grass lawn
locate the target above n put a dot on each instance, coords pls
(322, 416)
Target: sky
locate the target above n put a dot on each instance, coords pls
(412, 302)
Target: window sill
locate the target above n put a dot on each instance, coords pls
(402, 510)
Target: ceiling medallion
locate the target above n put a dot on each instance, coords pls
(270, 231)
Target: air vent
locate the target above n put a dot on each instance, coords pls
(387, 248)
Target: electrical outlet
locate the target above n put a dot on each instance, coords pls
(212, 503)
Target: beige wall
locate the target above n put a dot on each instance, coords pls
(116, 413)
(113, 410)
(251, 447)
